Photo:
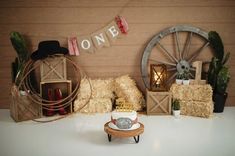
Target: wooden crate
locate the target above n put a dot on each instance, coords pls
(158, 103)
(53, 69)
(64, 85)
(22, 108)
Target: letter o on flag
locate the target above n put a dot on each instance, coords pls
(85, 44)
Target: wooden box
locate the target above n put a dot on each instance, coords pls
(53, 69)
(64, 85)
(158, 103)
(22, 108)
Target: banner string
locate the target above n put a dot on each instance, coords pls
(124, 7)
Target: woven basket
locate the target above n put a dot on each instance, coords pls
(22, 108)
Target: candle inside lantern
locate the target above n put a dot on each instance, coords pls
(157, 78)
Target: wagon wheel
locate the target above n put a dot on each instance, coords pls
(176, 47)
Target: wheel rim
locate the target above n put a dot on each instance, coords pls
(178, 59)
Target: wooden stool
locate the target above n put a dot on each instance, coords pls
(122, 133)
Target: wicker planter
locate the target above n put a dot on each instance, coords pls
(22, 108)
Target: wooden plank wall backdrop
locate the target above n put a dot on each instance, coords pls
(57, 19)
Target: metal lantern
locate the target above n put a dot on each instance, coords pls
(158, 77)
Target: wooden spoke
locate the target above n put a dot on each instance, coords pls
(192, 69)
(163, 62)
(198, 52)
(171, 78)
(168, 53)
(171, 69)
(187, 46)
(178, 44)
(191, 75)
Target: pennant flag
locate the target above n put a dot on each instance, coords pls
(122, 24)
(112, 31)
(73, 46)
(85, 44)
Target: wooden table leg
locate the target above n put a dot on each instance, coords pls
(137, 139)
(109, 137)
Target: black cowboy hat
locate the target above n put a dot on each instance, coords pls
(46, 48)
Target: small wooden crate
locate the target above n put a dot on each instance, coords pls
(22, 108)
(53, 69)
(64, 85)
(158, 103)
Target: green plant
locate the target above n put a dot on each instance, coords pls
(17, 66)
(179, 75)
(218, 74)
(186, 75)
(176, 104)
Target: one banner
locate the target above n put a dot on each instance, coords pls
(73, 46)
(100, 38)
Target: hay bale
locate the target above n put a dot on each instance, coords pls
(102, 88)
(99, 94)
(97, 88)
(192, 92)
(95, 105)
(126, 88)
(196, 108)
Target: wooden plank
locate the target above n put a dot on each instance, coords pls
(133, 15)
(230, 101)
(110, 56)
(114, 3)
(138, 34)
(84, 29)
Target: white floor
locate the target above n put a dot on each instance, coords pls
(83, 135)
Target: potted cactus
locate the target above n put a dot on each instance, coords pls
(218, 73)
(186, 77)
(176, 107)
(179, 78)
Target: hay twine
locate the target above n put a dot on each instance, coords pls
(25, 84)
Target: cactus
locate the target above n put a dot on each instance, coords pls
(20, 47)
(17, 66)
(217, 44)
(186, 75)
(14, 69)
(179, 75)
(218, 74)
(176, 104)
(222, 80)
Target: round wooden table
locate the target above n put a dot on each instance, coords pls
(124, 134)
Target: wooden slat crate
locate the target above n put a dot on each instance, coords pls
(53, 68)
(158, 103)
(64, 85)
(22, 108)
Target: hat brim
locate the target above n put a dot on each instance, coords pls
(40, 54)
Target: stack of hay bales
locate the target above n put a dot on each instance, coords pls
(96, 96)
(126, 88)
(195, 100)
